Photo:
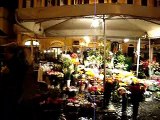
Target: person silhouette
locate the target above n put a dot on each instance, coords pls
(137, 90)
(110, 86)
(122, 91)
(11, 84)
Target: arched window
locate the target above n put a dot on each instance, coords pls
(33, 46)
(32, 42)
(55, 48)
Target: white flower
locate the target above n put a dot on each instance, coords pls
(66, 56)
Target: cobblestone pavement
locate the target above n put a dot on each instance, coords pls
(148, 110)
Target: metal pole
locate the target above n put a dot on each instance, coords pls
(150, 58)
(138, 54)
(104, 56)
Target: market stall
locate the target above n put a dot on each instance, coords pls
(78, 87)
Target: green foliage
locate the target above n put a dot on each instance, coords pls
(128, 61)
(121, 58)
(68, 74)
(67, 63)
(95, 55)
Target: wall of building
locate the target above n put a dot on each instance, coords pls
(4, 25)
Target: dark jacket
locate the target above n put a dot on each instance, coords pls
(137, 91)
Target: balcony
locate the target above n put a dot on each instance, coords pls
(123, 18)
(48, 3)
(46, 9)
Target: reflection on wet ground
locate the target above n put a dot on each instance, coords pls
(148, 110)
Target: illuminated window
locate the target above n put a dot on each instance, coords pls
(33, 42)
(27, 43)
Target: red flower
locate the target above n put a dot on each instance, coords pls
(74, 55)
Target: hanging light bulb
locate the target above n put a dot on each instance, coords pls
(126, 40)
(95, 23)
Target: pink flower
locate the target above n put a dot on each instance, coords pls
(74, 55)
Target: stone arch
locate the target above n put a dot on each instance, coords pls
(57, 44)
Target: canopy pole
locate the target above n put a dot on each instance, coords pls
(138, 55)
(104, 56)
(150, 59)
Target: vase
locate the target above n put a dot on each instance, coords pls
(68, 83)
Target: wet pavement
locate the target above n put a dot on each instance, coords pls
(148, 110)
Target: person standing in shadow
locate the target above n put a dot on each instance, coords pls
(137, 90)
(11, 83)
(123, 93)
(110, 86)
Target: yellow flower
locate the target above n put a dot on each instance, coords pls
(135, 80)
(90, 73)
(73, 60)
